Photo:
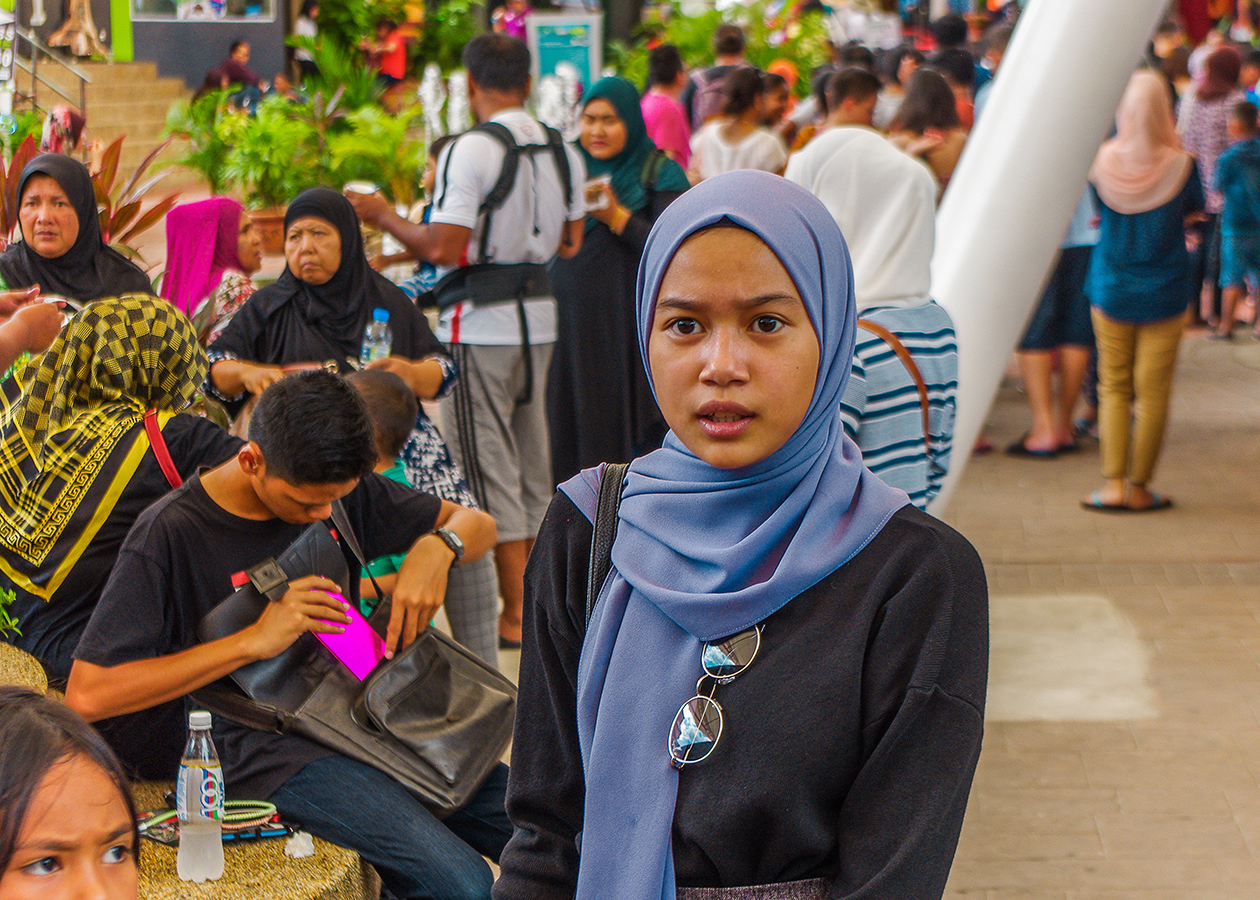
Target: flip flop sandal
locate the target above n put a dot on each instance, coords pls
(1158, 501)
(1094, 503)
(1018, 449)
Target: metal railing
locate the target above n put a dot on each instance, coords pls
(31, 67)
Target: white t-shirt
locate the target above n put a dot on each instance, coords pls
(712, 155)
(527, 228)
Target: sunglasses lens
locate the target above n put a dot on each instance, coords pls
(696, 730)
(727, 658)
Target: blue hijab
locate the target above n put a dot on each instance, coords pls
(703, 553)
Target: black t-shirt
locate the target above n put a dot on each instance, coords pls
(51, 628)
(849, 745)
(177, 564)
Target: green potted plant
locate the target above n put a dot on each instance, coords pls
(272, 159)
(385, 149)
(8, 624)
(203, 125)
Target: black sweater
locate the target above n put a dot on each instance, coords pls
(849, 745)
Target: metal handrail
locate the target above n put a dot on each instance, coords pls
(38, 47)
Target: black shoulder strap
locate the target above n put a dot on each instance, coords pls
(556, 141)
(503, 186)
(649, 173)
(605, 531)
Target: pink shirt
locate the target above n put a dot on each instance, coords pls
(667, 125)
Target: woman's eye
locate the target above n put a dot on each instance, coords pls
(45, 866)
(118, 854)
(767, 324)
(684, 326)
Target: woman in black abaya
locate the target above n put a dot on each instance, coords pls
(599, 405)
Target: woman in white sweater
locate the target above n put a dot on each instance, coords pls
(736, 139)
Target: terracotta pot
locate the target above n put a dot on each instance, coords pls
(269, 223)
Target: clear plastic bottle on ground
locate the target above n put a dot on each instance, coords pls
(199, 804)
(378, 340)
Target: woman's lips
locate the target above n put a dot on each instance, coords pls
(724, 420)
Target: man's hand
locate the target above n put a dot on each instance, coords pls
(306, 606)
(419, 591)
(42, 323)
(12, 301)
(258, 378)
(370, 207)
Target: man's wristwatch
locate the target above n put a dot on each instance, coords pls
(451, 540)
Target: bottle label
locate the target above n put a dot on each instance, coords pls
(201, 788)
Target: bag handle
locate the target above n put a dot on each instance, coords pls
(352, 541)
(605, 531)
(915, 375)
(160, 450)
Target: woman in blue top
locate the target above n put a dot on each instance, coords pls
(1147, 187)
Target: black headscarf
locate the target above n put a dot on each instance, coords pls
(89, 270)
(291, 321)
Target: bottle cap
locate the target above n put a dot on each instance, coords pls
(199, 719)
(380, 315)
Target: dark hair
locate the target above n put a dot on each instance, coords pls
(891, 62)
(1245, 113)
(36, 733)
(1176, 65)
(387, 22)
(998, 37)
(439, 143)
(392, 407)
(236, 45)
(957, 65)
(664, 65)
(852, 82)
(950, 31)
(307, 7)
(854, 54)
(728, 40)
(497, 62)
(740, 91)
(1251, 58)
(771, 81)
(818, 86)
(929, 103)
(313, 428)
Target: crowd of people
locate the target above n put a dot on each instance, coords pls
(730, 294)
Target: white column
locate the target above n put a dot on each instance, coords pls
(1009, 202)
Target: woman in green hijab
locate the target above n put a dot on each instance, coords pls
(599, 405)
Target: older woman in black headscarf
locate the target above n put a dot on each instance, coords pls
(61, 249)
(316, 313)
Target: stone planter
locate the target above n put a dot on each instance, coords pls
(269, 224)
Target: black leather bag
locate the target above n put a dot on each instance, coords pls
(435, 717)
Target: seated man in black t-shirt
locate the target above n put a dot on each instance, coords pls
(311, 444)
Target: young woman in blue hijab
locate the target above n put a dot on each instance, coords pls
(780, 693)
(599, 404)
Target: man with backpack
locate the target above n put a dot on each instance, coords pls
(508, 198)
(702, 97)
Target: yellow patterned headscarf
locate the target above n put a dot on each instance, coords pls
(64, 414)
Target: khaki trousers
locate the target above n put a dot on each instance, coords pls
(1135, 372)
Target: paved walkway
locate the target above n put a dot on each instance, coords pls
(1123, 744)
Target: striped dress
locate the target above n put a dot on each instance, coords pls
(881, 408)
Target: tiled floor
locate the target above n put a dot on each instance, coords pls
(1123, 744)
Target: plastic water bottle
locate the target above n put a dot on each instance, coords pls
(378, 341)
(199, 805)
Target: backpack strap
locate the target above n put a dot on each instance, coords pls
(650, 172)
(605, 533)
(555, 140)
(915, 375)
(503, 186)
(160, 451)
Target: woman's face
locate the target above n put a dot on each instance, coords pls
(602, 134)
(249, 245)
(733, 353)
(77, 840)
(312, 249)
(49, 223)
